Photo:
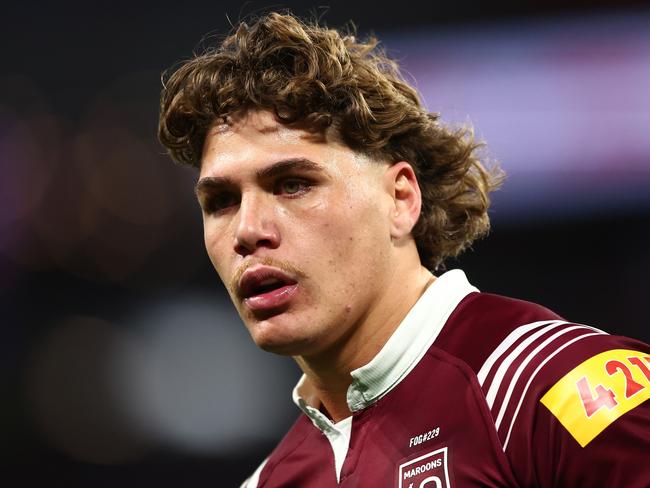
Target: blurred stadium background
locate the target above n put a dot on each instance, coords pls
(121, 360)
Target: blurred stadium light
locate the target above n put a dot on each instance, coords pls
(563, 104)
(197, 383)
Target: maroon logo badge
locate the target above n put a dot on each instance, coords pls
(426, 471)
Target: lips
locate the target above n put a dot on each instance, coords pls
(265, 288)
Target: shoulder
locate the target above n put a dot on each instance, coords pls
(564, 397)
(517, 350)
(592, 385)
(561, 394)
(482, 324)
(568, 370)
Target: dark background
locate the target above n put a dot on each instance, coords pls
(101, 243)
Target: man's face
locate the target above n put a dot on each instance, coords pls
(297, 226)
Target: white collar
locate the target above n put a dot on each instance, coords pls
(401, 353)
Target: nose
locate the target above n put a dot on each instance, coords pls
(256, 227)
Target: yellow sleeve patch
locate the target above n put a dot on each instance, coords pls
(598, 391)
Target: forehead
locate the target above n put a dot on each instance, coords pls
(258, 123)
(256, 137)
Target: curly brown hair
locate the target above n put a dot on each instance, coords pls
(321, 78)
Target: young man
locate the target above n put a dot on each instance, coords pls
(329, 198)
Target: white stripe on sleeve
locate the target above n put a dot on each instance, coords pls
(514, 356)
(525, 362)
(505, 344)
(532, 377)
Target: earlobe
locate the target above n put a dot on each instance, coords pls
(407, 199)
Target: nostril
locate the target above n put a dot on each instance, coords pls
(246, 248)
(265, 243)
(242, 249)
(254, 234)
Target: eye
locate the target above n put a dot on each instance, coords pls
(218, 202)
(292, 186)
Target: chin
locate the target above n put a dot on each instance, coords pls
(282, 347)
(277, 340)
(291, 332)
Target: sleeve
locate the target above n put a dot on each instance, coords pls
(591, 418)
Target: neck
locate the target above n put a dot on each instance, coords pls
(328, 372)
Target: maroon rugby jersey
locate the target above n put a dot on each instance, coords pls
(476, 390)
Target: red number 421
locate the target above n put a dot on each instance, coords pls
(604, 397)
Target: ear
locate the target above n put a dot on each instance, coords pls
(407, 198)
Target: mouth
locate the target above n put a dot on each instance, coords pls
(265, 288)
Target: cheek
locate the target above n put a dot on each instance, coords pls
(342, 235)
(215, 245)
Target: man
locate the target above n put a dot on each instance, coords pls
(329, 198)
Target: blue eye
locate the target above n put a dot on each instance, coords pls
(292, 186)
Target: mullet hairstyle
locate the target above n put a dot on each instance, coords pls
(321, 79)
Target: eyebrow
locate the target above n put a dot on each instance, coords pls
(275, 169)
